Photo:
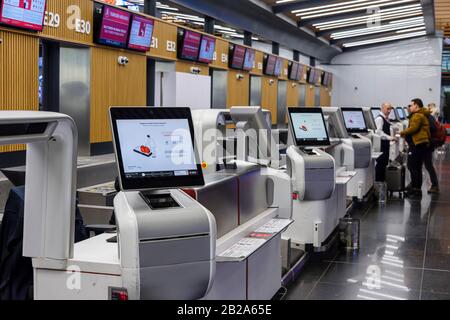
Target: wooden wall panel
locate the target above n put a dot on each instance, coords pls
(162, 34)
(19, 74)
(310, 99)
(292, 95)
(442, 14)
(238, 90)
(325, 97)
(114, 85)
(304, 74)
(75, 16)
(185, 66)
(284, 70)
(258, 67)
(221, 49)
(269, 96)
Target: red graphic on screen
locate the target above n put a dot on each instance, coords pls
(27, 14)
(303, 127)
(146, 149)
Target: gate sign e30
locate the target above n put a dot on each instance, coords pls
(74, 21)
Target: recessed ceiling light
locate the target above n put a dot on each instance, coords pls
(370, 20)
(384, 39)
(380, 4)
(364, 32)
(381, 13)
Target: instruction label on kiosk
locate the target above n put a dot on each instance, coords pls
(243, 248)
(345, 176)
(253, 241)
(274, 226)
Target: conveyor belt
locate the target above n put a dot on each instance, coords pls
(90, 171)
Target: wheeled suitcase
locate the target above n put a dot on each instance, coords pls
(395, 178)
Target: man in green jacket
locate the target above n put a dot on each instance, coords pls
(418, 133)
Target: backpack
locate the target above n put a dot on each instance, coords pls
(439, 135)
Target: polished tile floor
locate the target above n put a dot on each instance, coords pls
(404, 252)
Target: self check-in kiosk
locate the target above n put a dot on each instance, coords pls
(354, 152)
(318, 202)
(372, 129)
(250, 200)
(402, 116)
(164, 246)
(396, 146)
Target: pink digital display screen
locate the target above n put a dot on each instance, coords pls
(141, 33)
(238, 57)
(191, 45)
(25, 14)
(114, 27)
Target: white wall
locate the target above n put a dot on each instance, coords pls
(181, 89)
(396, 73)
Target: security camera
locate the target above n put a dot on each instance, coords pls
(196, 70)
(271, 81)
(239, 76)
(123, 61)
(294, 85)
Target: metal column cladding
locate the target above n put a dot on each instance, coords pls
(75, 95)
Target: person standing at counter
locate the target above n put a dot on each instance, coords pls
(418, 134)
(384, 131)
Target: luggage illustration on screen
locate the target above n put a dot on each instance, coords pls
(147, 149)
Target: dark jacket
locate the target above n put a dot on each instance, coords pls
(419, 127)
(16, 271)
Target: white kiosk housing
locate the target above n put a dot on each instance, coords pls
(250, 200)
(164, 247)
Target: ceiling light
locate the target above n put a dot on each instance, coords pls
(331, 10)
(392, 24)
(309, 16)
(413, 29)
(384, 39)
(380, 14)
(373, 30)
(328, 6)
(366, 20)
